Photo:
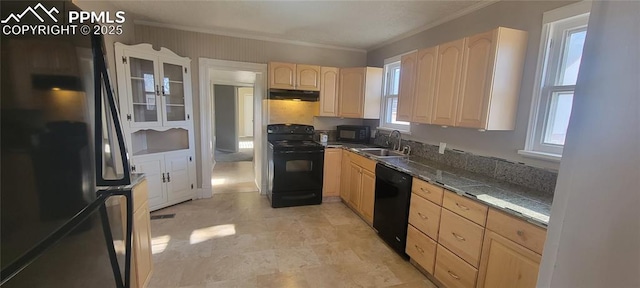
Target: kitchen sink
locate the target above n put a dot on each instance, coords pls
(382, 153)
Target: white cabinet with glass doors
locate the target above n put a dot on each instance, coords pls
(156, 83)
(154, 89)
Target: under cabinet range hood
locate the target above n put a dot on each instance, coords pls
(296, 95)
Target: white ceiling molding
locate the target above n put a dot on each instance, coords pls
(448, 18)
(244, 35)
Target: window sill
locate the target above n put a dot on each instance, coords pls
(540, 155)
(404, 132)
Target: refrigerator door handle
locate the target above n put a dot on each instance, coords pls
(101, 77)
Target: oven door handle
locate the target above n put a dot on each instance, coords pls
(299, 152)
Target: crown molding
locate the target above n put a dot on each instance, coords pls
(465, 11)
(245, 36)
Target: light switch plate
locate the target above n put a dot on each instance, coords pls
(442, 147)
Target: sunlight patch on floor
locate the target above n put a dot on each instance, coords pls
(218, 181)
(159, 244)
(246, 144)
(218, 231)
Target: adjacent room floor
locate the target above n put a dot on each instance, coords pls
(229, 177)
(238, 240)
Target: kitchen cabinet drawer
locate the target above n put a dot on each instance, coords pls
(461, 236)
(425, 216)
(428, 191)
(363, 162)
(421, 248)
(452, 271)
(466, 208)
(516, 230)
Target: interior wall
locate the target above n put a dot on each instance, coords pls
(242, 117)
(593, 238)
(523, 15)
(225, 113)
(196, 44)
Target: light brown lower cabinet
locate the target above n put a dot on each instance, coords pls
(421, 249)
(141, 261)
(357, 184)
(368, 186)
(331, 177)
(345, 177)
(454, 272)
(506, 264)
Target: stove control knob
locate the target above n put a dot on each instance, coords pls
(309, 130)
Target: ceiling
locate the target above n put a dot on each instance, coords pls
(359, 25)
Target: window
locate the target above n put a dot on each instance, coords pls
(390, 96)
(563, 37)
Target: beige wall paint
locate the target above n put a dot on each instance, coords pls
(242, 92)
(196, 44)
(524, 15)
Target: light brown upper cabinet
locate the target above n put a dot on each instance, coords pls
(294, 76)
(360, 92)
(490, 84)
(329, 91)
(447, 84)
(308, 77)
(408, 65)
(425, 85)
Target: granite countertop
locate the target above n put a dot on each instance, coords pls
(136, 178)
(528, 204)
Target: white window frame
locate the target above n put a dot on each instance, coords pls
(389, 64)
(555, 23)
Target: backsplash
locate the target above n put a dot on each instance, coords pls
(332, 135)
(516, 173)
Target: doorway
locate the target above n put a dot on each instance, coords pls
(232, 138)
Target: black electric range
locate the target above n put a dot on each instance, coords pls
(296, 164)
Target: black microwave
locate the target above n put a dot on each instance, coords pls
(353, 133)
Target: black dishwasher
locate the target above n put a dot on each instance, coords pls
(391, 209)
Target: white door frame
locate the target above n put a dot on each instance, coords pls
(206, 121)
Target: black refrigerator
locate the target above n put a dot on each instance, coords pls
(65, 180)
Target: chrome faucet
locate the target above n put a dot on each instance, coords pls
(399, 140)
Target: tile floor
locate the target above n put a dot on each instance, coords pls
(233, 177)
(238, 240)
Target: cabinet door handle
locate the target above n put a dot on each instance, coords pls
(419, 249)
(425, 190)
(520, 233)
(163, 93)
(458, 236)
(157, 90)
(453, 275)
(163, 179)
(168, 177)
(422, 216)
(462, 206)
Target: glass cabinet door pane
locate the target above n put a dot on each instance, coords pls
(143, 90)
(173, 92)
